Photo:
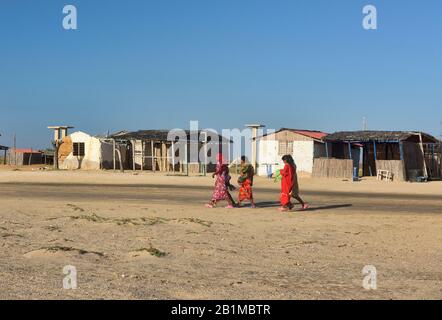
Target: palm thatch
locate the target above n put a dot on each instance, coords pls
(380, 136)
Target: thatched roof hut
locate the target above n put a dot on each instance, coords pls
(408, 155)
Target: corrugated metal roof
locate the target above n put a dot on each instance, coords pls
(314, 134)
(25, 151)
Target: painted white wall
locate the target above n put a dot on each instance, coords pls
(303, 153)
(92, 151)
(268, 155)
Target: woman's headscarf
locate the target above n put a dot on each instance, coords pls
(220, 158)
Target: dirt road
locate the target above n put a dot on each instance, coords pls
(157, 241)
(265, 197)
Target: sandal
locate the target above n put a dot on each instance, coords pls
(304, 207)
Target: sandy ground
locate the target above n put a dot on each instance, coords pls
(149, 236)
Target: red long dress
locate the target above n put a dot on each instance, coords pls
(286, 184)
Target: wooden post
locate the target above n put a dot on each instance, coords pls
(15, 149)
(375, 151)
(423, 155)
(152, 147)
(326, 150)
(133, 155)
(56, 148)
(113, 154)
(142, 155)
(163, 158)
(186, 159)
(350, 155)
(433, 164)
(166, 154)
(401, 150)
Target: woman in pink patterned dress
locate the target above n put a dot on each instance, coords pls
(221, 191)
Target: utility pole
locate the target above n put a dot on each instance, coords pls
(14, 145)
(364, 123)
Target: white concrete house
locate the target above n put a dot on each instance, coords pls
(303, 145)
(82, 151)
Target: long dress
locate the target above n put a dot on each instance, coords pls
(221, 192)
(287, 175)
(246, 189)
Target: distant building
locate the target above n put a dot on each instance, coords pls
(303, 145)
(406, 155)
(149, 150)
(82, 151)
(24, 157)
(4, 157)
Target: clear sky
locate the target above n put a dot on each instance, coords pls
(144, 64)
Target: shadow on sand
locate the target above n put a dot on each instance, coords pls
(273, 204)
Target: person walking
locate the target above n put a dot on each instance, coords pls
(245, 181)
(290, 185)
(221, 191)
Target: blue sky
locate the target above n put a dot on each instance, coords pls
(159, 64)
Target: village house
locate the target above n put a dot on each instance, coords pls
(150, 150)
(80, 150)
(303, 145)
(24, 157)
(400, 156)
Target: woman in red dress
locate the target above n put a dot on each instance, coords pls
(289, 185)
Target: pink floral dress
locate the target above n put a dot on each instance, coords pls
(222, 174)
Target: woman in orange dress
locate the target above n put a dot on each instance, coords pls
(245, 181)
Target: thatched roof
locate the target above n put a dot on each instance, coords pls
(162, 135)
(379, 136)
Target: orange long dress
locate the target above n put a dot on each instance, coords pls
(246, 189)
